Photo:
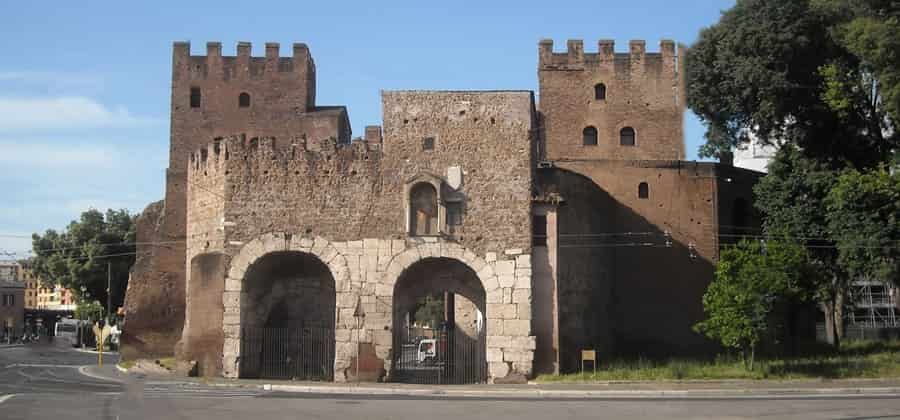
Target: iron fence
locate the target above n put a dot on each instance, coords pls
(452, 356)
(305, 353)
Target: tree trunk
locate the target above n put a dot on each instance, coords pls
(752, 354)
(831, 332)
(839, 317)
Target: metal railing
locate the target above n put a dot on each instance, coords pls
(302, 353)
(452, 356)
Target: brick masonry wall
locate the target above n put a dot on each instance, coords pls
(655, 296)
(643, 91)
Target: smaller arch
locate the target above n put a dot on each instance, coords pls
(589, 136)
(643, 191)
(626, 136)
(244, 100)
(600, 92)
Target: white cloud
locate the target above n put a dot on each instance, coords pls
(57, 155)
(68, 112)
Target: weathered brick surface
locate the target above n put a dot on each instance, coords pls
(282, 176)
(644, 91)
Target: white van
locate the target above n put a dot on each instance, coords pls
(67, 328)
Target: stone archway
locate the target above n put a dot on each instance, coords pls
(438, 305)
(236, 303)
(508, 299)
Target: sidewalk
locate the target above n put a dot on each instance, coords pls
(619, 389)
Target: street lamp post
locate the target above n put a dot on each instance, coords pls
(84, 297)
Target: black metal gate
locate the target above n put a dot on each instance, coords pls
(451, 356)
(287, 353)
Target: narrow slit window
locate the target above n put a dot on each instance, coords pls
(589, 136)
(600, 92)
(643, 190)
(195, 97)
(626, 136)
(244, 100)
(428, 143)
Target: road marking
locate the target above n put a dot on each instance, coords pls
(40, 365)
(6, 397)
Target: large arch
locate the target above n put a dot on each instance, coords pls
(237, 303)
(507, 287)
(288, 316)
(442, 301)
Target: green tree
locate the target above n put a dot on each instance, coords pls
(792, 200)
(864, 218)
(870, 30)
(778, 69)
(78, 256)
(752, 279)
(430, 311)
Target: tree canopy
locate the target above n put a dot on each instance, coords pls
(814, 74)
(863, 214)
(78, 256)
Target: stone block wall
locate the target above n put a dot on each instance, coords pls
(367, 270)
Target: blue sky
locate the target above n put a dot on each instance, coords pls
(85, 86)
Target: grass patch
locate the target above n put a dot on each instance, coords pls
(127, 364)
(853, 360)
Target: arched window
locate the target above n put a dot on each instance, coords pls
(600, 92)
(626, 136)
(643, 190)
(244, 100)
(589, 136)
(423, 206)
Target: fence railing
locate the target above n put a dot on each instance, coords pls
(451, 356)
(305, 353)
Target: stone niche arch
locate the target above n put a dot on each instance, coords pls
(419, 183)
(235, 295)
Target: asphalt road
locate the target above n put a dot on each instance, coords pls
(44, 382)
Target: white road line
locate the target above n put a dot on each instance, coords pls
(41, 365)
(6, 397)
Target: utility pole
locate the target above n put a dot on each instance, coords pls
(108, 290)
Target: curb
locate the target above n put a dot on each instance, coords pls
(575, 394)
(121, 369)
(84, 371)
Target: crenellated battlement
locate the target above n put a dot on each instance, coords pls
(243, 64)
(249, 158)
(637, 57)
